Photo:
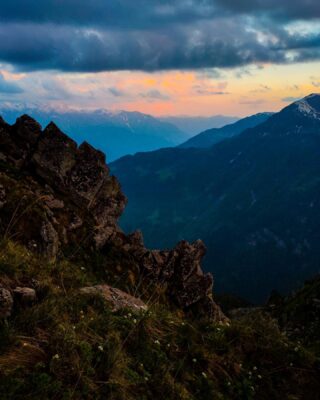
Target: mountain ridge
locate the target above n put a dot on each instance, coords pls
(253, 195)
(212, 136)
(117, 133)
(87, 312)
(195, 124)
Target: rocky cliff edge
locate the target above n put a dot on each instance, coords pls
(57, 197)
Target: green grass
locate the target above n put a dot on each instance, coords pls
(68, 346)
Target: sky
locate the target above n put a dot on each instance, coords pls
(161, 57)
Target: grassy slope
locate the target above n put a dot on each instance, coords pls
(70, 347)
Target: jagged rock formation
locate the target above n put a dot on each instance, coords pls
(55, 196)
(180, 269)
(79, 174)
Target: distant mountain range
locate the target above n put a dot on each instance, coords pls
(212, 136)
(193, 125)
(254, 199)
(115, 133)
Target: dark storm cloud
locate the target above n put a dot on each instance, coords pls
(151, 35)
(111, 13)
(284, 9)
(142, 13)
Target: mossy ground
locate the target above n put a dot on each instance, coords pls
(67, 346)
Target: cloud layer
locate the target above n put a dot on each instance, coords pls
(7, 87)
(153, 35)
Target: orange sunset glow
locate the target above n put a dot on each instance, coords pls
(238, 92)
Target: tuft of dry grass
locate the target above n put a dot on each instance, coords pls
(24, 355)
(67, 346)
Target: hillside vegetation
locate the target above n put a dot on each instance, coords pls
(87, 312)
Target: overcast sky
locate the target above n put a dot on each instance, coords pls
(196, 57)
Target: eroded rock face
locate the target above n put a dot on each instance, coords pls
(27, 132)
(180, 270)
(50, 240)
(78, 173)
(18, 140)
(67, 197)
(83, 175)
(6, 303)
(54, 157)
(94, 188)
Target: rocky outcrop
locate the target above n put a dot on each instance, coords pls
(25, 295)
(6, 303)
(56, 195)
(10, 298)
(180, 271)
(82, 174)
(17, 141)
(50, 240)
(115, 297)
(65, 170)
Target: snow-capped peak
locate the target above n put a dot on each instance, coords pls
(310, 106)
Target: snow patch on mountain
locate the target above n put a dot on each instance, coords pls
(308, 109)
